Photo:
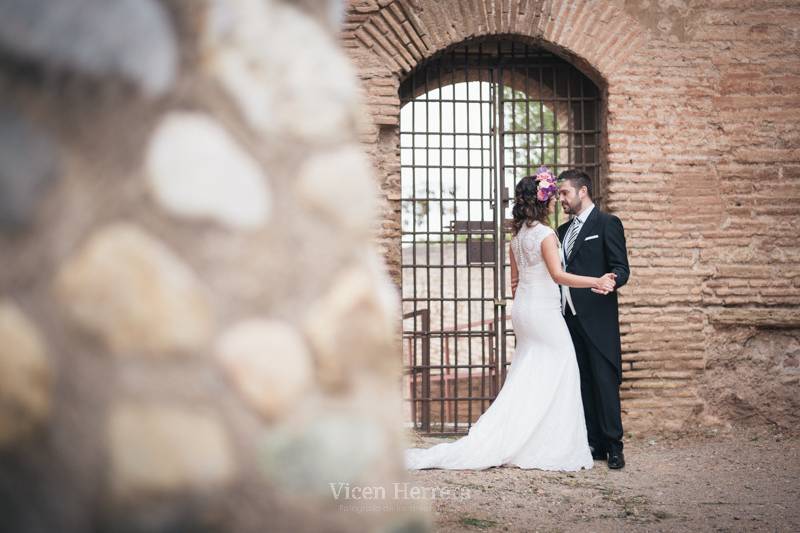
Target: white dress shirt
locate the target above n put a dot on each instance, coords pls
(566, 298)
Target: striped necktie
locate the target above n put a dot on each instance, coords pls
(572, 235)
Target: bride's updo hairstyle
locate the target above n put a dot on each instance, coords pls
(531, 196)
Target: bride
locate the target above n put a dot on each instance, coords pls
(536, 420)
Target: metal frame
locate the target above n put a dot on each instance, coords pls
(530, 104)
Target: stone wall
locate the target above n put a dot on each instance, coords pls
(196, 331)
(702, 164)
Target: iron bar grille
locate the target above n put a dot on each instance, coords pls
(474, 120)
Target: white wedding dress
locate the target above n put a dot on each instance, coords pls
(536, 420)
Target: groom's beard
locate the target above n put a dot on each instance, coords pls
(570, 210)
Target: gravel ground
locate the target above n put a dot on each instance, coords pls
(714, 480)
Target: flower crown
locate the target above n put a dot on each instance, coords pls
(546, 186)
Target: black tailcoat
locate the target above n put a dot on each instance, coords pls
(596, 256)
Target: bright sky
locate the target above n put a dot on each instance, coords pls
(456, 135)
(461, 143)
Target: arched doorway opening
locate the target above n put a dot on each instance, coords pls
(474, 119)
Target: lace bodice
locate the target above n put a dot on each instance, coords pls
(527, 248)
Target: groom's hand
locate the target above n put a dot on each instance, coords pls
(608, 285)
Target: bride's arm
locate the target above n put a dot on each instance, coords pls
(514, 271)
(553, 262)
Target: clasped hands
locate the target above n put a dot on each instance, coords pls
(605, 284)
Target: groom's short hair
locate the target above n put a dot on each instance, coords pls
(578, 178)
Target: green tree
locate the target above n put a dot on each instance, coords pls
(530, 140)
(530, 130)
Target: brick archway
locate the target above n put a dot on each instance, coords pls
(595, 35)
(387, 39)
(475, 119)
(685, 96)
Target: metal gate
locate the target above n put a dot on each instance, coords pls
(474, 120)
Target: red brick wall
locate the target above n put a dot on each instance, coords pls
(703, 167)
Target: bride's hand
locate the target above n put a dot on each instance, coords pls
(605, 284)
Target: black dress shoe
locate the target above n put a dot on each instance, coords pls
(616, 459)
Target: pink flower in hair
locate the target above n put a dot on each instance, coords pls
(544, 174)
(546, 184)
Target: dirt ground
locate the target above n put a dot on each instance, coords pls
(734, 479)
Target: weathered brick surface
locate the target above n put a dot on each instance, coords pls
(702, 164)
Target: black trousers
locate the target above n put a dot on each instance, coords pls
(599, 390)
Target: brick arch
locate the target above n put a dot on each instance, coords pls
(594, 35)
(681, 108)
(388, 38)
(662, 372)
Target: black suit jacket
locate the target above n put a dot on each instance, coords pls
(597, 313)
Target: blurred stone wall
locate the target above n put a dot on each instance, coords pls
(196, 331)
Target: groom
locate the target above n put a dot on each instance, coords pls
(593, 244)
